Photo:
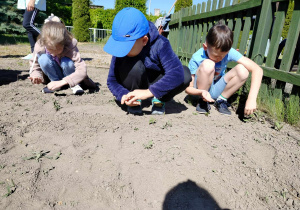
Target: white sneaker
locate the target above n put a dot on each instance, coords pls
(27, 57)
(77, 90)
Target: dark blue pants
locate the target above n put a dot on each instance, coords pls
(134, 75)
(28, 23)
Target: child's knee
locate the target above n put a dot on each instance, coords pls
(44, 60)
(207, 66)
(242, 72)
(66, 63)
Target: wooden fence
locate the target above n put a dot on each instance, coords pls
(257, 25)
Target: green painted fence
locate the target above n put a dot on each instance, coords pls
(254, 24)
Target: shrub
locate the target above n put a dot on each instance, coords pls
(81, 20)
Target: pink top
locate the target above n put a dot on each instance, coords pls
(70, 51)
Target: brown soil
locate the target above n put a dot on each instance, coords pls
(89, 154)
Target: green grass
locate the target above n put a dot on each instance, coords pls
(13, 39)
(280, 107)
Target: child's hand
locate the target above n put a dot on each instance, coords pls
(36, 80)
(138, 94)
(30, 6)
(55, 85)
(206, 96)
(126, 100)
(250, 107)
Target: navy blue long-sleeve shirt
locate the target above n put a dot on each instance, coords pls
(158, 56)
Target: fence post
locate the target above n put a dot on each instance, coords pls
(94, 34)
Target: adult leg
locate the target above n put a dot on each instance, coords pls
(50, 68)
(28, 23)
(235, 78)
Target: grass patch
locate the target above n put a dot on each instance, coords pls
(280, 107)
(6, 39)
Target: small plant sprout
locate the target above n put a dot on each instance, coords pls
(167, 125)
(207, 114)
(57, 155)
(136, 129)
(11, 188)
(278, 126)
(57, 106)
(152, 121)
(37, 155)
(149, 145)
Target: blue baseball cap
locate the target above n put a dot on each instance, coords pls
(129, 25)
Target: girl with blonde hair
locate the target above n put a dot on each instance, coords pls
(56, 56)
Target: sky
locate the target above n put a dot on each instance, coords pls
(163, 5)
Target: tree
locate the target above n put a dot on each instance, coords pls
(81, 19)
(182, 4)
(138, 4)
(10, 18)
(62, 9)
(101, 18)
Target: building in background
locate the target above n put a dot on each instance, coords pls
(156, 12)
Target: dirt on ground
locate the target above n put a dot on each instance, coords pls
(61, 151)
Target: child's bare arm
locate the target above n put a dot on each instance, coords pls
(256, 78)
(194, 91)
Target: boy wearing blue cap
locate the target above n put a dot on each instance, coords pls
(143, 64)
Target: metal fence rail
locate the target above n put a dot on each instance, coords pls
(96, 34)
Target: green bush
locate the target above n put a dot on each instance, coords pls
(182, 4)
(81, 20)
(101, 18)
(138, 4)
(13, 39)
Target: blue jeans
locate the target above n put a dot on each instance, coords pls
(51, 68)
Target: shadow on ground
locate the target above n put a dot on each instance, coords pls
(8, 76)
(11, 56)
(189, 196)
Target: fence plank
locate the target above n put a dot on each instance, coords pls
(214, 5)
(227, 3)
(204, 33)
(198, 8)
(199, 37)
(221, 4)
(208, 6)
(262, 33)
(276, 33)
(237, 30)
(203, 7)
(234, 2)
(246, 31)
(291, 38)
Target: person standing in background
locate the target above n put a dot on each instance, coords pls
(32, 8)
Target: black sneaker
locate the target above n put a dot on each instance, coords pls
(46, 90)
(222, 107)
(202, 106)
(135, 110)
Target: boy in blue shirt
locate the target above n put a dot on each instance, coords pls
(209, 80)
(143, 64)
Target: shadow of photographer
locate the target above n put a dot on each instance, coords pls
(189, 196)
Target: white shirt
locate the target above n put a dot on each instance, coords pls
(39, 4)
